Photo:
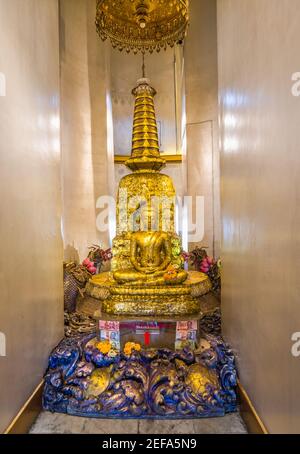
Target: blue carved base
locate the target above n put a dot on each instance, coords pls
(149, 384)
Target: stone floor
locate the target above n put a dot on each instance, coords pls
(55, 423)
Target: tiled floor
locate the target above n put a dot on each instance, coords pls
(59, 423)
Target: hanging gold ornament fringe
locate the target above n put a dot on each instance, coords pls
(142, 25)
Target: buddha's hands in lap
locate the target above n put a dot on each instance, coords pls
(157, 273)
(149, 270)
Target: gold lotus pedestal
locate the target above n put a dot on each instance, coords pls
(166, 300)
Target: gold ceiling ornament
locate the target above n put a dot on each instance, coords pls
(142, 25)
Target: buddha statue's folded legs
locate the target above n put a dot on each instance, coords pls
(132, 277)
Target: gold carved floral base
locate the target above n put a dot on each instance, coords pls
(164, 300)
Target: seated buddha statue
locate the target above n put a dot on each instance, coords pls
(150, 256)
(147, 276)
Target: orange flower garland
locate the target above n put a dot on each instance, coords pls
(171, 273)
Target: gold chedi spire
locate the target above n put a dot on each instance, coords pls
(145, 155)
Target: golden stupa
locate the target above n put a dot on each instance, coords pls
(147, 276)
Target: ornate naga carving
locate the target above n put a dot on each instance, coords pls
(80, 380)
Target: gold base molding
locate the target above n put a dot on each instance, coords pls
(250, 416)
(28, 413)
(169, 158)
(151, 306)
(164, 300)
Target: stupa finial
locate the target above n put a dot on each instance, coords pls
(145, 155)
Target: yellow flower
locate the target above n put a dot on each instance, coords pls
(104, 346)
(129, 346)
(127, 351)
